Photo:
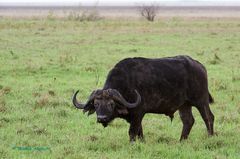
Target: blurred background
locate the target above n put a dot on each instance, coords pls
(119, 8)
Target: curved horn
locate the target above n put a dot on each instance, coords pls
(76, 103)
(118, 97)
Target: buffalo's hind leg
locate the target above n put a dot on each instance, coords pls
(207, 116)
(186, 116)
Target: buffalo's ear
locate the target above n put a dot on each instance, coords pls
(122, 111)
(89, 108)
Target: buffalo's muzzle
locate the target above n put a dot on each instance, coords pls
(102, 118)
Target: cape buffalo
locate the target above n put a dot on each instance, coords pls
(136, 86)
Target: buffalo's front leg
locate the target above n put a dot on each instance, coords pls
(135, 129)
(140, 133)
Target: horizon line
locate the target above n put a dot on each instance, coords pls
(72, 4)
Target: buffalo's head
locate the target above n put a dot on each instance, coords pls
(107, 103)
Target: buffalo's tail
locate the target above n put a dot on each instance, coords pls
(211, 100)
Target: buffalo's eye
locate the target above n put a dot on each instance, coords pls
(96, 105)
(111, 104)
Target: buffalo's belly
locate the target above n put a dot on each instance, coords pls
(167, 111)
(165, 104)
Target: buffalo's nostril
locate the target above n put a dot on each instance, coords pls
(102, 118)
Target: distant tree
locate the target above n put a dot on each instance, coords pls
(149, 12)
(82, 13)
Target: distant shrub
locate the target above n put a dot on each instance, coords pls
(92, 15)
(149, 12)
(50, 15)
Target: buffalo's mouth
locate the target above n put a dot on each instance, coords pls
(105, 124)
(104, 121)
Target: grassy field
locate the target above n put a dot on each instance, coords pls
(42, 62)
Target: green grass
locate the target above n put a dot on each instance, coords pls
(42, 62)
